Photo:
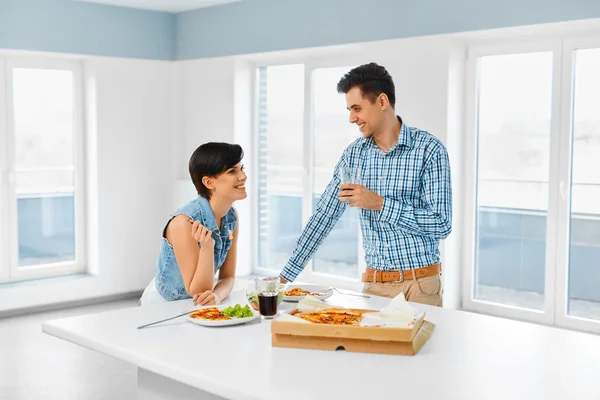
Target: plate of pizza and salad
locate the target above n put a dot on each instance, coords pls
(222, 315)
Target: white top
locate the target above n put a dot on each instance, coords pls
(151, 295)
(469, 356)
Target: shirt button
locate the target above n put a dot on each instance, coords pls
(387, 245)
(381, 177)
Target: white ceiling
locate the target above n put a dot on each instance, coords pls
(173, 6)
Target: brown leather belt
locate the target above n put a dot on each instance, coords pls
(372, 275)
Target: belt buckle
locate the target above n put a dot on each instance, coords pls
(401, 273)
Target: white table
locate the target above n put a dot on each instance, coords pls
(469, 356)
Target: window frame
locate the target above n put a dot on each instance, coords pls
(4, 213)
(562, 318)
(558, 219)
(11, 271)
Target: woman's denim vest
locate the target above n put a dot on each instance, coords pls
(169, 281)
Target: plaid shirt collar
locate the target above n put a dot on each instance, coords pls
(404, 139)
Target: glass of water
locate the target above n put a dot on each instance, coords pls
(351, 175)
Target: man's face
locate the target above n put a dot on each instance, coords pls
(363, 113)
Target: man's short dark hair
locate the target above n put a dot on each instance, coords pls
(372, 79)
(212, 159)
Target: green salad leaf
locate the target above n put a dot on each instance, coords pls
(237, 311)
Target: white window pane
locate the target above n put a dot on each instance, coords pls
(332, 130)
(44, 165)
(37, 181)
(338, 255)
(280, 142)
(514, 114)
(584, 272)
(43, 117)
(285, 114)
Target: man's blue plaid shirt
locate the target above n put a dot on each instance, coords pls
(413, 177)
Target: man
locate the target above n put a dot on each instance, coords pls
(405, 195)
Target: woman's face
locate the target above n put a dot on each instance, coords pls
(231, 184)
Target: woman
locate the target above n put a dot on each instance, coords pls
(200, 238)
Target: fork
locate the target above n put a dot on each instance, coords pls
(353, 294)
(166, 319)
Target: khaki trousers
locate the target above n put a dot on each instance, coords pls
(426, 290)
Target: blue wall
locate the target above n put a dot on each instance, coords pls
(267, 25)
(249, 26)
(84, 28)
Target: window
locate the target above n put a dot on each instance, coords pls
(303, 129)
(42, 188)
(584, 240)
(513, 135)
(536, 224)
(332, 133)
(281, 162)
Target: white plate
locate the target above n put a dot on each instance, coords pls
(229, 322)
(326, 290)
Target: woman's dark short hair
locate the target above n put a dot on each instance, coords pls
(212, 159)
(372, 79)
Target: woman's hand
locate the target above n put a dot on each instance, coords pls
(208, 298)
(202, 235)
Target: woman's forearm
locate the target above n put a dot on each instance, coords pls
(204, 276)
(223, 288)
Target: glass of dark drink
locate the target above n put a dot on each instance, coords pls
(268, 295)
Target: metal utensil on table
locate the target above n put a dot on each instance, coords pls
(166, 319)
(353, 294)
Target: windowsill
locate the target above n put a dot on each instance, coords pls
(23, 297)
(46, 281)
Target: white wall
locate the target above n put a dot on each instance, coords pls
(456, 138)
(419, 68)
(207, 105)
(130, 179)
(217, 106)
